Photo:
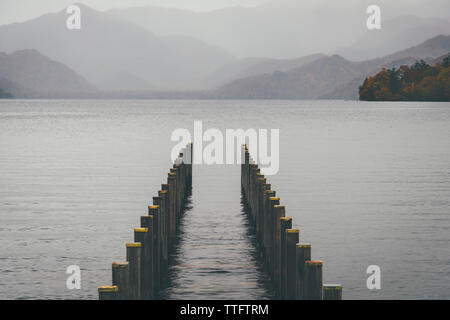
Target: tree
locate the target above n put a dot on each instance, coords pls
(446, 62)
(420, 82)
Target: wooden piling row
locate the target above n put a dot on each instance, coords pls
(294, 275)
(148, 256)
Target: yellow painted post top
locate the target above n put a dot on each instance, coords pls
(153, 207)
(133, 245)
(279, 206)
(292, 231)
(172, 174)
(162, 191)
(303, 245)
(314, 263)
(332, 287)
(108, 289)
(140, 229)
(286, 218)
(274, 198)
(120, 264)
(270, 191)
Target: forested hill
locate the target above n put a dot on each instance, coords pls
(420, 82)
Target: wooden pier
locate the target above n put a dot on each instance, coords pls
(294, 275)
(147, 258)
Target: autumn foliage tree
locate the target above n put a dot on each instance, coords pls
(420, 82)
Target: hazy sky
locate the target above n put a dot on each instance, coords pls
(21, 10)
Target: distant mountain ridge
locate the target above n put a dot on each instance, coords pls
(27, 73)
(117, 55)
(285, 29)
(395, 35)
(327, 77)
(243, 68)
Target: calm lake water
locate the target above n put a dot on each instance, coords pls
(366, 183)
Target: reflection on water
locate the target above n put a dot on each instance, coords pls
(366, 183)
(215, 257)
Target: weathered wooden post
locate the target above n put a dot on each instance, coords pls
(177, 171)
(171, 181)
(303, 254)
(267, 227)
(246, 172)
(250, 187)
(332, 292)
(279, 212)
(285, 223)
(313, 280)
(189, 161)
(242, 166)
(261, 185)
(159, 201)
(256, 173)
(120, 276)
(148, 223)
(292, 237)
(273, 201)
(164, 195)
(263, 217)
(252, 180)
(141, 235)
(154, 212)
(107, 292)
(134, 262)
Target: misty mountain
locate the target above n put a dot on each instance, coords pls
(27, 73)
(243, 68)
(349, 90)
(396, 34)
(431, 48)
(438, 59)
(113, 54)
(285, 29)
(327, 77)
(307, 82)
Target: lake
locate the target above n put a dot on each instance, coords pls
(366, 184)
